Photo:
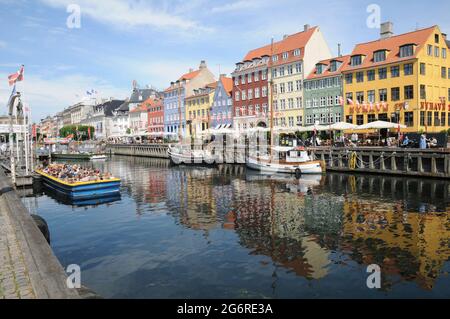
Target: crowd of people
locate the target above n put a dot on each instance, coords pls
(75, 173)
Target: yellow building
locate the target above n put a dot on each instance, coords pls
(198, 108)
(404, 78)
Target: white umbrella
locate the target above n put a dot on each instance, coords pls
(342, 126)
(379, 125)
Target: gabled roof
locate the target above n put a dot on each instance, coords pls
(110, 106)
(189, 76)
(327, 63)
(391, 44)
(227, 84)
(292, 42)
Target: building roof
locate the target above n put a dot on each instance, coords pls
(448, 43)
(140, 95)
(290, 43)
(227, 84)
(392, 45)
(189, 76)
(144, 107)
(110, 106)
(327, 63)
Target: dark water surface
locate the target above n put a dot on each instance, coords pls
(179, 232)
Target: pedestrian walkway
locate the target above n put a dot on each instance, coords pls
(14, 279)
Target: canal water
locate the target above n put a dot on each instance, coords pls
(181, 232)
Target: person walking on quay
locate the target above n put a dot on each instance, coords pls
(423, 142)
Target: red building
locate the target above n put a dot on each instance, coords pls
(155, 115)
(251, 91)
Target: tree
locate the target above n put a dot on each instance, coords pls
(79, 132)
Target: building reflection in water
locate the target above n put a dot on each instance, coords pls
(401, 224)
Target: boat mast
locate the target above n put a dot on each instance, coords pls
(269, 75)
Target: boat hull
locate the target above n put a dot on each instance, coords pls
(81, 191)
(312, 167)
(189, 159)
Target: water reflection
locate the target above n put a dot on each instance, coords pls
(287, 232)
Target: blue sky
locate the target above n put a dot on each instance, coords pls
(155, 42)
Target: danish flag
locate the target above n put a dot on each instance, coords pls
(16, 77)
(350, 101)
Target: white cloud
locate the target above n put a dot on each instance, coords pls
(239, 6)
(49, 96)
(127, 14)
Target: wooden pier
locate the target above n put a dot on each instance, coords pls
(391, 161)
(140, 150)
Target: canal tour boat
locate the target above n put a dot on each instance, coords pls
(290, 160)
(82, 190)
(184, 155)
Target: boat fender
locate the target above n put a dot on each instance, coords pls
(43, 227)
(298, 173)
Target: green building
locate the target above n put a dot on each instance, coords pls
(323, 96)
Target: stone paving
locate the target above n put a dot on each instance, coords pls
(14, 279)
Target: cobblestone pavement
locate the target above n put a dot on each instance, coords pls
(14, 280)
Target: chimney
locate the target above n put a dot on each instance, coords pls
(306, 27)
(339, 50)
(285, 36)
(202, 65)
(386, 30)
(444, 35)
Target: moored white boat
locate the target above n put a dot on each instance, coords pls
(98, 157)
(184, 155)
(286, 160)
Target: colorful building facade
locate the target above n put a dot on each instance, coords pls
(155, 115)
(175, 95)
(323, 96)
(222, 104)
(403, 79)
(198, 108)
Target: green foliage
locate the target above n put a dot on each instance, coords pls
(79, 132)
(128, 130)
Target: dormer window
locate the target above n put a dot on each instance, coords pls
(297, 52)
(335, 65)
(320, 68)
(275, 58)
(285, 55)
(407, 50)
(379, 56)
(356, 60)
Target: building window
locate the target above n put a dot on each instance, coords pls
(437, 120)
(257, 93)
(436, 52)
(408, 69)
(249, 78)
(298, 67)
(423, 69)
(356, 60)
(448, 97)
(257, 76)
(409, 92)
(236, 96)
(250, 94)
(409, 119)
(290, 86)
(383, 95)
(297, 52)
(282, 88)
(442, 118)
(436, 38)
(379, 56)
(359, 119)
(264, 91)
(444, 72)
(359, 77)
(371, 75)
(382, 73)
(371, 96)
(406, 50)
(430, 50)
(444, 53)
(290, 69)
(243, 79)
(298, 85)
(349, 98)
(264, 75)
(299, 102)
(429, 118)
(371, 118)
(349, 119)
(360, 97)
(423, 92)
(422, 118)
(275, 58)
(349, 78)
(285, 55)
(395, 94)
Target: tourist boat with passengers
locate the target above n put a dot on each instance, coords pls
(82, 190)
(290, 160)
